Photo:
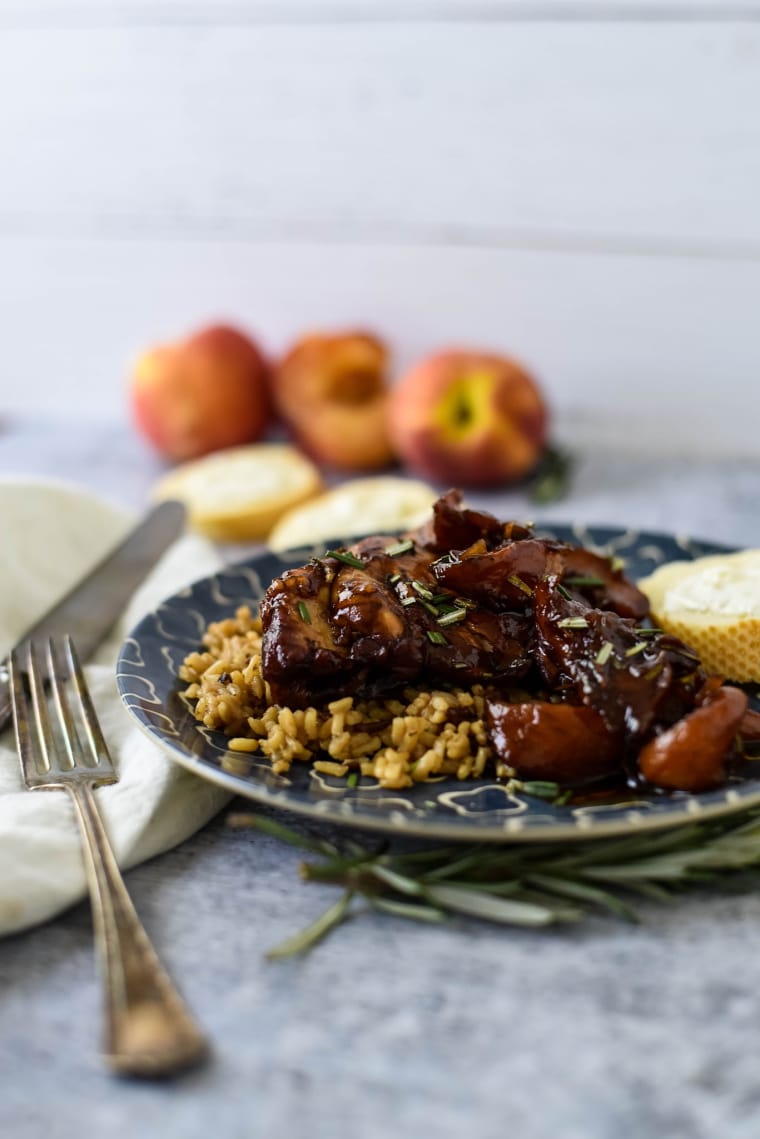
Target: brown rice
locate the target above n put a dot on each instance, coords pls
(401, 740)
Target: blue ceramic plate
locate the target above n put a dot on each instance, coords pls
(475, 810)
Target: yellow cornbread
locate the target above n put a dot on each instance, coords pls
(713, 604)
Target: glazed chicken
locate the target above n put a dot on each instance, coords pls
(578, 688)
(335, 628)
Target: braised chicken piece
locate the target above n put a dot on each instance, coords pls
(605, 587)
(337, 628)
(453, 526)
(507, 575)
(633, 678)
(300, 656)
(577, 686)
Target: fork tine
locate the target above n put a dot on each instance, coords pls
(70, 738)
(21, 717)
(45, 738)
(101, 756)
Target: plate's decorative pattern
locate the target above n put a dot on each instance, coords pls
(474, 810)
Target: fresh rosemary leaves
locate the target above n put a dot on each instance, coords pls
(532, 885)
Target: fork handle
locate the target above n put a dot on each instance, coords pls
(149, 1030)
(6, 714)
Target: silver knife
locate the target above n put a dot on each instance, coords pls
(92, 607)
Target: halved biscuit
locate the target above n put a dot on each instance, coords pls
(385, 504)
(237, 495)
(713, 604)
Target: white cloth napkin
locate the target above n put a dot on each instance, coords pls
(51, 535)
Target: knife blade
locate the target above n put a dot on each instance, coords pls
(91, 608)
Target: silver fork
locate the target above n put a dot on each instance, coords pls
(149, 1031)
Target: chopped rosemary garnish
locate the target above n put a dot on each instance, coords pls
(604, 653)
(436, 638)
(580, 580)
(395, 578)
(404, 547)
(564, 592)
(407, 601)
(573, 623)
(452, 617)
(304, 612)
(422, 590)
(345, 557)
(464, 603)
(518, 583)
(539, 788)
(635, 649)
(647, 632)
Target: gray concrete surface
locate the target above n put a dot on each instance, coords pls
(388, 1028)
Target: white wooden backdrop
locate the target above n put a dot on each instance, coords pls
(576, 183)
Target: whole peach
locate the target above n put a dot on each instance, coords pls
(332, 392)
(469, 419)
(202, 394)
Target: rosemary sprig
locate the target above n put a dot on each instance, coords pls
(313, 933)
(551, 478)
(533, 886)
